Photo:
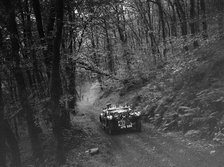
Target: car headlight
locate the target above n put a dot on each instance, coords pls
(131, 114)
(110, 117)
(138, 113)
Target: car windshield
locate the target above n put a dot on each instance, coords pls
(118, 110)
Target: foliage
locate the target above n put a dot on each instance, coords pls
(48, 52)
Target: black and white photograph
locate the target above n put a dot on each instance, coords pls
(111, 83)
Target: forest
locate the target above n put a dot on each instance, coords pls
(49, 49)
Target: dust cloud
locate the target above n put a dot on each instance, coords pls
(90, 93)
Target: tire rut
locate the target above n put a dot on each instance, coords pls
(150, 149)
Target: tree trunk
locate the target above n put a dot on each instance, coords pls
(13, 145)
(220, 6)
(56, 87)
(173, 19)
(72, 85)
(154, 46)
(50, 27)
(37, 12)
(36, 75)
(72, 68)
(47, 53)
(6, 134)
(29, 43)
(204, 19)
(193, 22)
(2, 134)
(123, 39)
(40, 29)
(182, 16)
(163, 28)
(109, 49)
(14, 37)
(96, 60)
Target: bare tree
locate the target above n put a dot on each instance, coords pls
(56, 87)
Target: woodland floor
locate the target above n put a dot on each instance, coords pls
(149, 148)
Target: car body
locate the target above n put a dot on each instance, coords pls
(122, 117)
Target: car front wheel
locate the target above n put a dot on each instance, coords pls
(110, 129)
(139, 126)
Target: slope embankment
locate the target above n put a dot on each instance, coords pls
(186, 95)
(130, 149)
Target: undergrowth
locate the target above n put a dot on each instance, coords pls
(186, 94)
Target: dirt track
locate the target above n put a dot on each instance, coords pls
(149, 148)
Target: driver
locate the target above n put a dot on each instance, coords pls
(109, 105)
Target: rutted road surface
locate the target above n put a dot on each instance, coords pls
(150, 148)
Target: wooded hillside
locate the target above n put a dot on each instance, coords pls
(50, 48)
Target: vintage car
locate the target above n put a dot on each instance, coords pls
(117, 118)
